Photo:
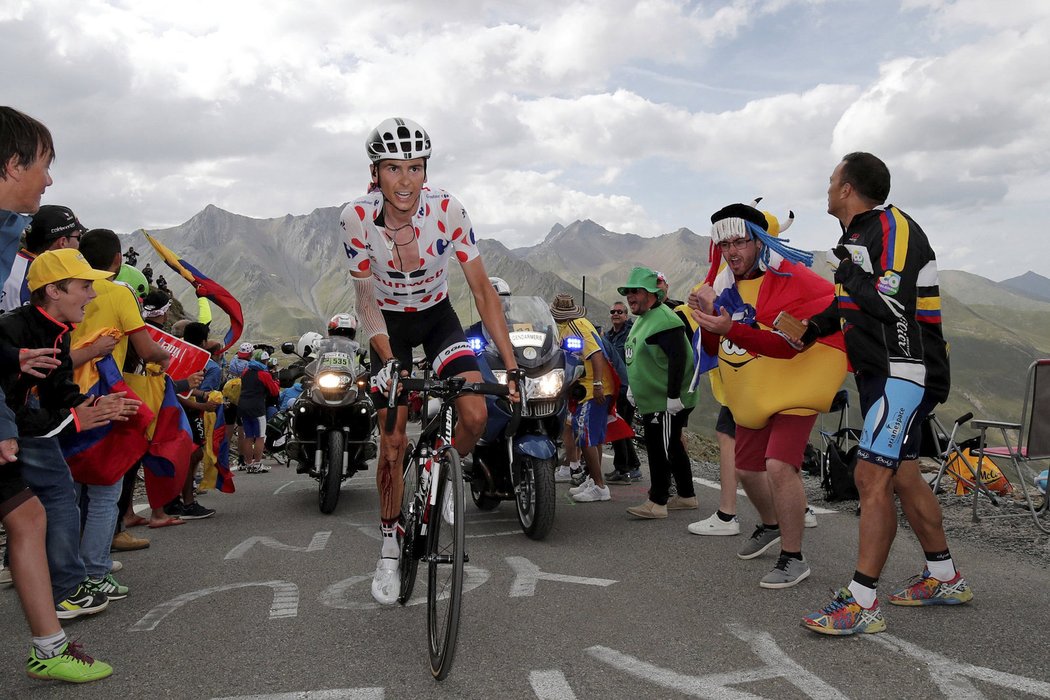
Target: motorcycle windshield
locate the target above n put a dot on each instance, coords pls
(533, 332)
(336, 354)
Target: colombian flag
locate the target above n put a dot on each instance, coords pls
(170, 440)
(205, 287)
(217, 474)
(103, 455)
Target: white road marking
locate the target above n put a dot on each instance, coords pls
(285, 602)
(311, 485)
(717, 486)
(503, 533)
(319, 541)
(339, 594)
(528, 574)
(777, 664)
(343, 694)
(953, 677)
(550, 685)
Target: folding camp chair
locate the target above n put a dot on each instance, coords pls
(843, 434)
(1031, 444)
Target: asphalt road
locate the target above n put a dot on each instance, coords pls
(270, 599)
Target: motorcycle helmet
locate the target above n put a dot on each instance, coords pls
(500, 285)
(397, 139)
(344, 325)
(308, 343)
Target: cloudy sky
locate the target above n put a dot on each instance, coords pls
(642, 116)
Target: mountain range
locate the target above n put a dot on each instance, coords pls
(290, 275)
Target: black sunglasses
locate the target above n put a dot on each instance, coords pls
(616, 311)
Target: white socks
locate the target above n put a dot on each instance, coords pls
(864, 596)
(48, 647)
(941, 570)
(391, 547)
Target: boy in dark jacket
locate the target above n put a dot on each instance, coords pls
(60, 283)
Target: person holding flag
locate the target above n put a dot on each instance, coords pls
(773, 389)
(26, 153)
(206, 288)
(113, 314)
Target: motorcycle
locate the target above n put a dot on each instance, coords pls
(333, 422)
(520, 467)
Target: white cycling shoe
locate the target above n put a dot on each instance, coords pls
(386, 585)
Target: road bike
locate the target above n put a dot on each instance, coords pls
(433, 511)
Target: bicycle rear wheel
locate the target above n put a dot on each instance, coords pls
(446, 552)
(410, 520)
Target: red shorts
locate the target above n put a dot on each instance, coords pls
(784, 438)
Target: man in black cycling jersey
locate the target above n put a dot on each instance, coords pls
(889, 308)
(399, 239)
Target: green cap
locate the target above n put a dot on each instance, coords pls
(642, 278)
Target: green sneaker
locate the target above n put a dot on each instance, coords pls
(109, 586)
(71, 665)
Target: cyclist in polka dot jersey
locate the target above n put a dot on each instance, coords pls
(399, 240)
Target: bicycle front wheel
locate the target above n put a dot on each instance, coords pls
(446, 552)
(410, 518)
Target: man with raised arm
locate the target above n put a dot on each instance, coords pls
(399, 239)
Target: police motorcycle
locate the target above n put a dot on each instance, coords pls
(520, 467)
(333, 422)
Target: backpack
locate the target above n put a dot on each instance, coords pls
(811, 460)
(232, 390)
(838, 474)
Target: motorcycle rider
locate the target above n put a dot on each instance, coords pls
(503, 290)
(345, 325)
(399, 239)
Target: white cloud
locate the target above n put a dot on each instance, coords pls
(262, 107)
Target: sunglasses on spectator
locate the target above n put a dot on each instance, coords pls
(616, 311)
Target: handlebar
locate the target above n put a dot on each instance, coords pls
(448, 388)
(963, 418)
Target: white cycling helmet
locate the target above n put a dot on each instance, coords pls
(308, 343)
(500, 285)
(397, 139)
(344, 325)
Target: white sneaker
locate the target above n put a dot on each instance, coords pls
(811, 517)
(115, 565)
(261, 468)
(592, 493)
(587, 483)
(386, 584)
(562, 474)
(715, 526)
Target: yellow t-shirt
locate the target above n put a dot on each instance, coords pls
(584, 329)
(114, 307)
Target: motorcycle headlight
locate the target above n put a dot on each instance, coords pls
(546, 387)
(331, 380)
